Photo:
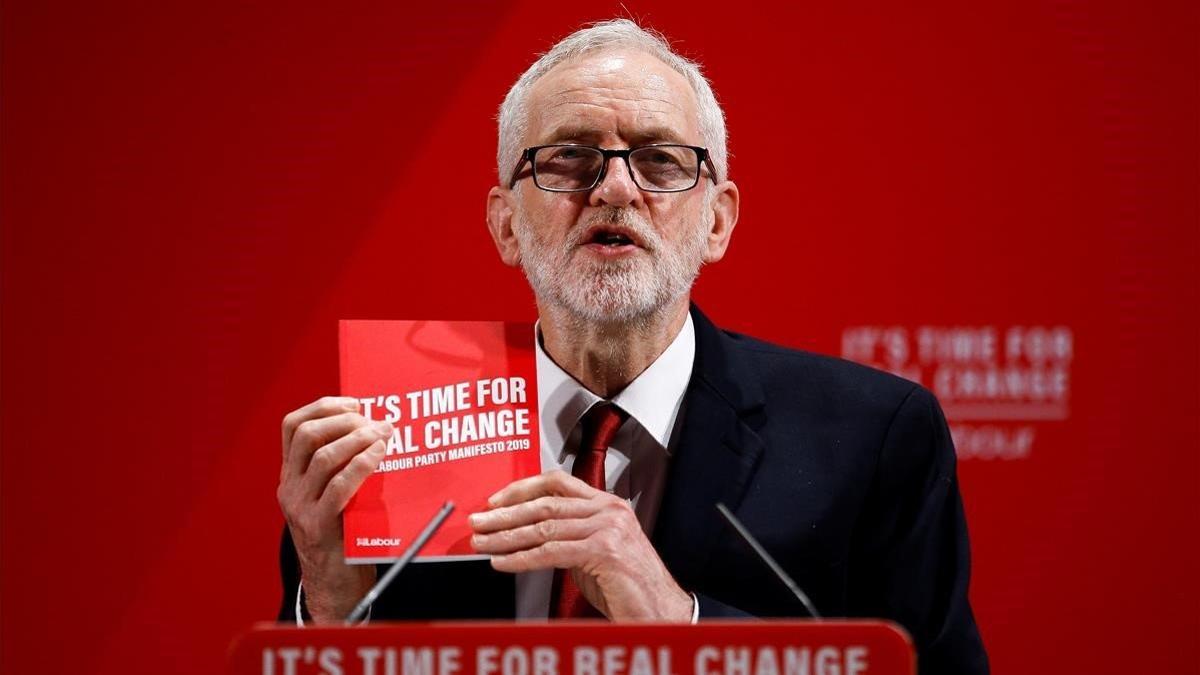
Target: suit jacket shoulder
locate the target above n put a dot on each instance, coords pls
(810, 384)
(846, 474)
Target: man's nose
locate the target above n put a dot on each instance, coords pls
(617, 187)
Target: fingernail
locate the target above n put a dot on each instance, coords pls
(350, 404)
(384, 428)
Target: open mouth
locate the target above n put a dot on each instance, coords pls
(610, 239)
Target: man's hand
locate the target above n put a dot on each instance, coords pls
(328, 451)
(556, 520)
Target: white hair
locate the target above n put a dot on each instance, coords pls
(514, 113)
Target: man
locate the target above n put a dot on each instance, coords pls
(613, 192)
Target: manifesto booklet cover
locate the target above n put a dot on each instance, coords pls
(462, 398)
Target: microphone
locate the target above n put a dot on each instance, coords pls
(768, 560)
(360, 610)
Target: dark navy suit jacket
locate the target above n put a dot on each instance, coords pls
(845, 474)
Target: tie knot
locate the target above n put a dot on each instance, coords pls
(600, 425)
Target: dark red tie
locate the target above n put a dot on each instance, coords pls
(600, 425)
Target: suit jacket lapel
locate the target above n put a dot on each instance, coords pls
(717, 452)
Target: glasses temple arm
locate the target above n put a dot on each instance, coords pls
(517, 171)
(711, 169)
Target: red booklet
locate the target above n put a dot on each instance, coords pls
(462, 396)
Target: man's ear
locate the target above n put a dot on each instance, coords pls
(500, 209)
(724, 205)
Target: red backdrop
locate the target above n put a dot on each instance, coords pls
(194, 193)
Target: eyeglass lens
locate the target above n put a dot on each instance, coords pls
(661, 168)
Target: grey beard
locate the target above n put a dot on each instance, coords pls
(630, 291)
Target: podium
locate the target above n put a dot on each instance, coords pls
(578, 648)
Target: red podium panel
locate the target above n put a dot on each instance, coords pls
(578, 648)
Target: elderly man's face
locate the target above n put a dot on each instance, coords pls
(564, 241)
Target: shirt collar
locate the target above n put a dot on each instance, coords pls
(653, 398)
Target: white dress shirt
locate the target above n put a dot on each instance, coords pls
(636, 464)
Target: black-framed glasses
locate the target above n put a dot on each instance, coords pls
(663, 167)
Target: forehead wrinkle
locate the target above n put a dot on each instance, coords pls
(616, 101)
(630, 75)
(616, 95)
(654, 109)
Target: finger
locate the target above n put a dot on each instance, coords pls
(342, 486)
(325, 406)
(527, 513)
(558, 483)
(532, 536)
(315, 433)
(550, 555)
(330, 458)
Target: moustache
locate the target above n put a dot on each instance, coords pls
(624, 217)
